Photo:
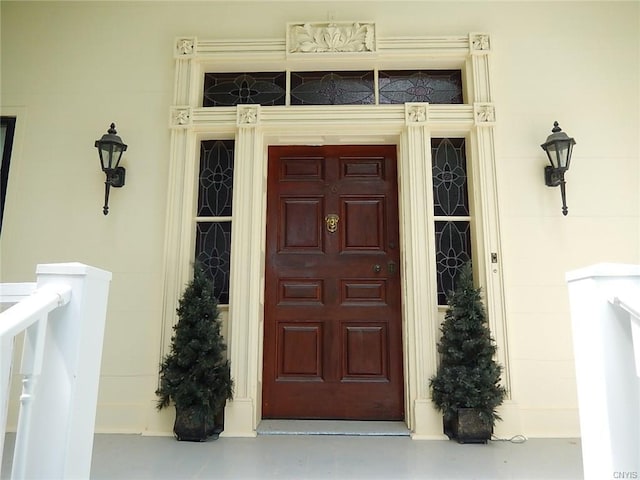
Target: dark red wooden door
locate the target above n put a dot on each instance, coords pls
(332, 333)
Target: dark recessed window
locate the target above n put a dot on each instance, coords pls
(215, 181)
(213, 253)
(213, 229)
(453, 250)
(431, 86)
(230, 89)
(7, 129)
(452, 211)
(332, 88)
(450, 196)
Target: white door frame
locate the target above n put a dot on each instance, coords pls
(411, 126)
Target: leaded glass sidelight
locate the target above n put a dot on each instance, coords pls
(431, 86)
(451, 210)
(449, 170)
(453, 250)
(332, 88)
(230, 89)
(215, 181)
(214, 207)
(213, 247)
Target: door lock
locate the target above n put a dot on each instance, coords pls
(391, 268)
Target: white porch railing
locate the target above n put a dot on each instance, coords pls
(605, 311)
(63, 317)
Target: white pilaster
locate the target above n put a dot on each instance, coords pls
(245, 291)
(418, 257)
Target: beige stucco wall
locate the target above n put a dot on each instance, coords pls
(69, 69)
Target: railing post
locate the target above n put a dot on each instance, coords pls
(6, 357)
(57, 442)
(608, 386)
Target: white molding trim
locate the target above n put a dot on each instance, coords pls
(410, 126)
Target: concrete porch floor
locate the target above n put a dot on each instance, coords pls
(316, 456)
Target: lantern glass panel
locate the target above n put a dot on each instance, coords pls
(567, 154)
(559, 153)
(117, 155)
(110, 155)
(105, 155)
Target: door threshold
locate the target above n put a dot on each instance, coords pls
(333, 427)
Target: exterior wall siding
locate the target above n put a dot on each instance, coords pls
(69, 69)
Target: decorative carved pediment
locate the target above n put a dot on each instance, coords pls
(331, 37)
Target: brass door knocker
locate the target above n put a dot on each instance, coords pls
(331, 221)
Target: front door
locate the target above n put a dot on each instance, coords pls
(332, 332)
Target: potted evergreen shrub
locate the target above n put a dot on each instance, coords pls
(466, 387)
(195, 374)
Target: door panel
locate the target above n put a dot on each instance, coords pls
(301, 224)
(363, 224)
(333, 340)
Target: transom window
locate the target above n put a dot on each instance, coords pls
(369, 87)
(332, 88)
(230, 89)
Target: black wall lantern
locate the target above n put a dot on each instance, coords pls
(110, 148)
(558, 147)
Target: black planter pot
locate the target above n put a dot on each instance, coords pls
(466, 426)
(195, 424)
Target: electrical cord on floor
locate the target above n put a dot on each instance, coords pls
(514, 439)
